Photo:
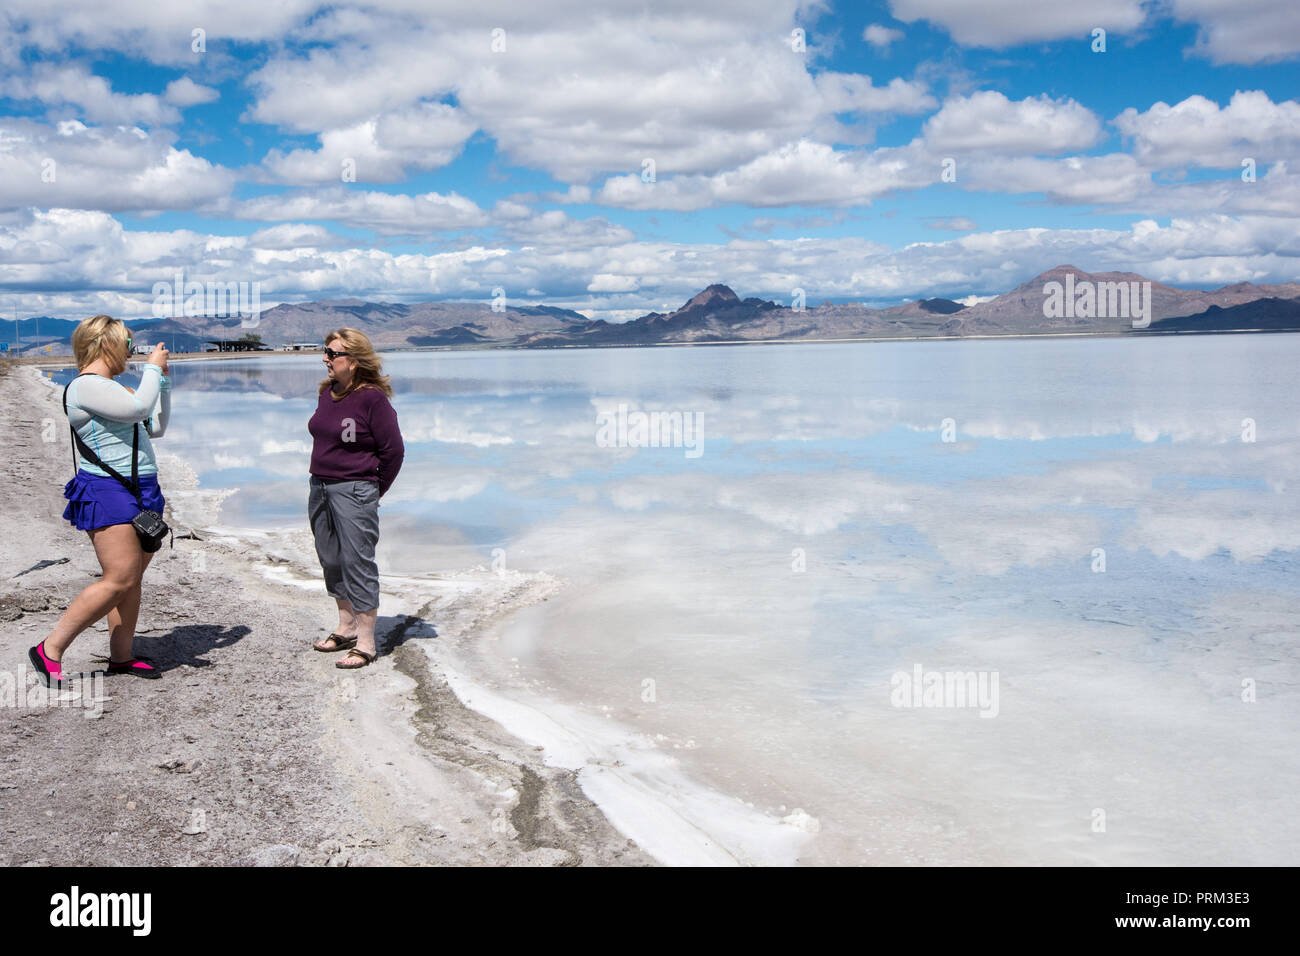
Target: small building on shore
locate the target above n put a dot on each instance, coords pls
(233, 345)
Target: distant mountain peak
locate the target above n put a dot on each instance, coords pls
(940, 306)
(716, 294)
(1059, 272)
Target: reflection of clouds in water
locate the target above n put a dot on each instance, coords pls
(988, 526)
(829, 419)
(986, 532)
(866, 575)
(1008, 538)
(810, 504)
(1248, 525)
(273, 459)
(222, 460)
(672, 577)
(814, 416)
(1213, 425)
(257, 504)
(459, 425)
(983, 525)
(578, 431)
(458, 485)
(409, 544)
(502, 443)
(270, 446)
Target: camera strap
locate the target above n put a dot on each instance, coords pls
(133, 486)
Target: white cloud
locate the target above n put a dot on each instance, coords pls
(804, 172)
(694, 89)
(1084, 180)
(991, 138)
(296, 235)
(576, 103)
(1197, 132)
(986, 132)
(853, 92)
(108, 168)
(606, 282)
(553, 227)
(386, 213)
(954, 223)
(1034, 125)
(1004, 23)
(73, 85)
(185, 92)
(63, 262)
(342, 87)
(508, 210)
(1229, 31)
(161, 32)
(574, 194)
(421, 137)
(881, 36)
(1242, 31)
(397, 214)
(997, 145)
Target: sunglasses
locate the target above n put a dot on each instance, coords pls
(332, 355)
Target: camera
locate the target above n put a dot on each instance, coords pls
(151, 529)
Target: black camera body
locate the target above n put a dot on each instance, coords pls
(151, 529)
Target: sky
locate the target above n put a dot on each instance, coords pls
(618, 158)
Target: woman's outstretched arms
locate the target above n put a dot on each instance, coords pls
(164, 410)
(107, 399)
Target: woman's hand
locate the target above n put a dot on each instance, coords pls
(159, 357)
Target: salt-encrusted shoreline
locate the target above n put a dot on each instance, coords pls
(252, 748)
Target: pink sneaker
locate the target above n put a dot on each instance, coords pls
(136, 666)
(51, 672)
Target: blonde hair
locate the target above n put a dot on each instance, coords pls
(369, 370)
(96, 336)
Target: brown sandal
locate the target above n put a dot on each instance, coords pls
(338, 643)
(368, 659)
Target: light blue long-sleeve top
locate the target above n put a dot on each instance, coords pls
(103, 413)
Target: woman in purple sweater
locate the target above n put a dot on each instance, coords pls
(356, 453)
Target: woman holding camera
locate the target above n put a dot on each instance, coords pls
(106, 416)
(357, 451)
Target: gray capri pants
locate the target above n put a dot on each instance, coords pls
(345, 522)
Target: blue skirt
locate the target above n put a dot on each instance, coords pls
(96, 501)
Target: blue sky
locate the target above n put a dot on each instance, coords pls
(126, 153)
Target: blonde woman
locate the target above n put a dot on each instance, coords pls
(357, 451)
(108, 417)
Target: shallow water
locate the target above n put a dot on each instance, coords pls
(748, 603)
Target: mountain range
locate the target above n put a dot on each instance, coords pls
(717, 314)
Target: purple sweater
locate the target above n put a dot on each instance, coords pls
(356, 438)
